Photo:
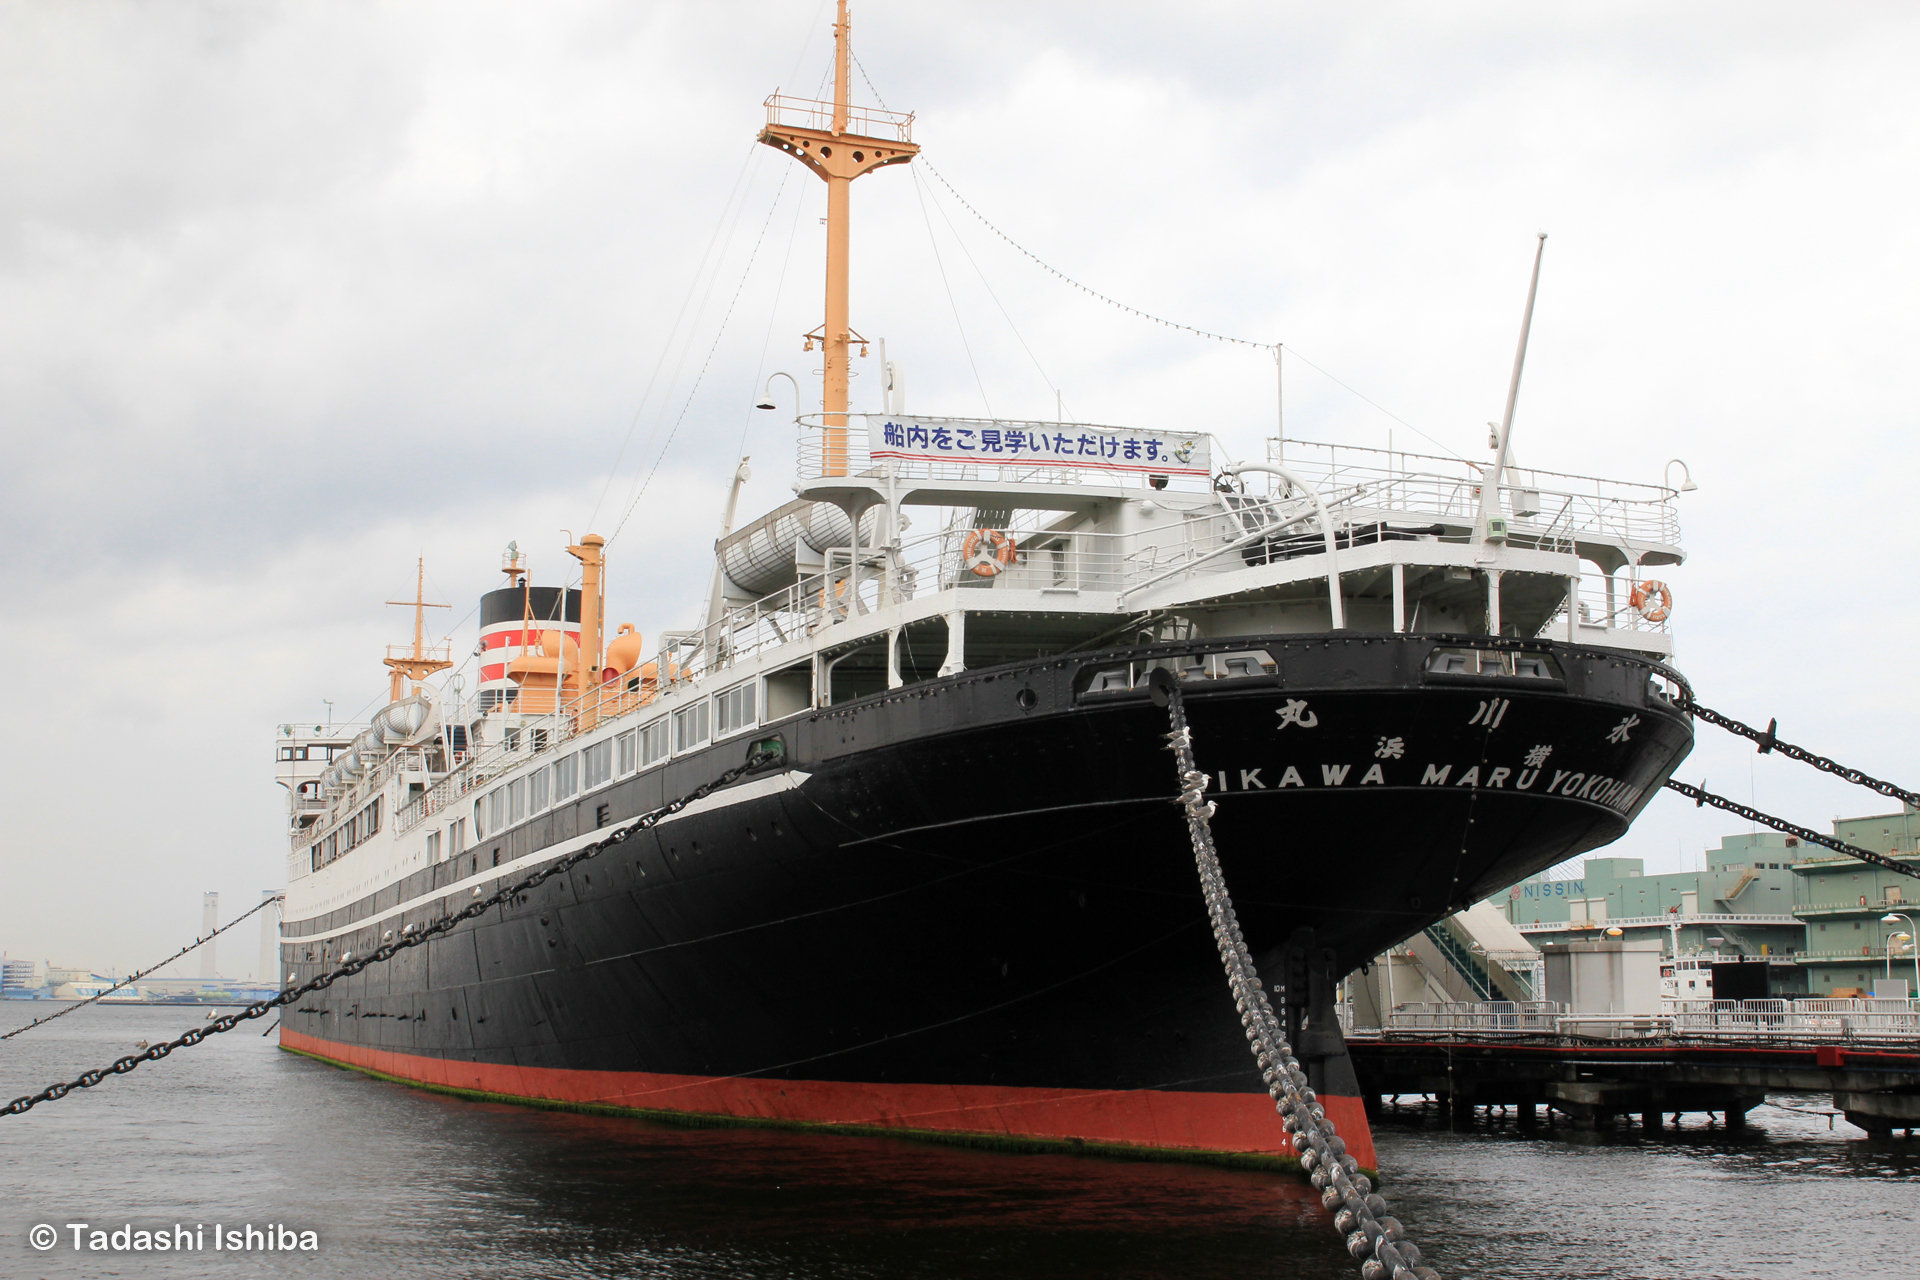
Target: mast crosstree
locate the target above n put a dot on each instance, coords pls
(425, 659)
(839, 142)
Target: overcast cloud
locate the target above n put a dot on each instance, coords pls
(291, 294)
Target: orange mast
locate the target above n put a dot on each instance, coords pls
(422, 662)
(840, 144)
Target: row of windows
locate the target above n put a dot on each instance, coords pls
(448, 844)
(582, 771)
(313, 751)
(349, 835)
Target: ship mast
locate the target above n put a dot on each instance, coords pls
(422, 662)
(839, 144)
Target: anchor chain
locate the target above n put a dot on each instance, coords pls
(1700, 797)
(411, 936)
(135, 977)
(1769, 741)
(1374, 1237)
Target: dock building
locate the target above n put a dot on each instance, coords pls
(1738, 911)
(1855, 913)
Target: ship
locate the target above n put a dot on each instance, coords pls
(946, 889)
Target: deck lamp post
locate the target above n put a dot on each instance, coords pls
(1894, 917)
(767, 400)
(1686, 477)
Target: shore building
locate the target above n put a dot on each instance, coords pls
(1854, 912)
(1736, 912)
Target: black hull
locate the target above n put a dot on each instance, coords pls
(982, 881)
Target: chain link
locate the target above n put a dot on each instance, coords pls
(1770, 742)
(473, 910)
(263, 904)
(1374, 1237)
(1700, 797)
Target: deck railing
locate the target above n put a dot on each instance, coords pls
(1546, 505)
(864, 122)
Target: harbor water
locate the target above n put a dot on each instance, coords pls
(395, 1180)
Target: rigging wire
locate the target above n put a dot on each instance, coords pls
(692, 392)
(1018, 336)
(954, 306)
(773, 319)
(666, 347)
(1283, 350)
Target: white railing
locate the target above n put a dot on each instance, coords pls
(865, 122)
(1824, 1019)
(1773, 1021)
(1662, 922)
(1546, 507)
(490, 761)
(369, 785)
(1531, 1016)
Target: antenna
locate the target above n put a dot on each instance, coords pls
(1491, 522)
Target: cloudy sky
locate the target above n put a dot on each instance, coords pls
(292, 294)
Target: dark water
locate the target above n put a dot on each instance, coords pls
(397, 1181)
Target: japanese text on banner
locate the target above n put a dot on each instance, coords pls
(1038, 444)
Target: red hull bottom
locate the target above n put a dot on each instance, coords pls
(1200, 1123)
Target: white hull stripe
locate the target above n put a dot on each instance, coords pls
(791, 780)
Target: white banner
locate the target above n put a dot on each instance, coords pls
(1040, 444)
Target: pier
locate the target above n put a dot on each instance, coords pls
(1596, 1070)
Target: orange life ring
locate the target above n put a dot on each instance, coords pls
(987, 552)
(837, 600)
(1643, 594)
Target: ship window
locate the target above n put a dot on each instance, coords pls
(566, 777)
(496, 810)
(653, 743)
(516, 800)
(626, 741)
(690, 726)
(433, 846)
(458, 832)
(480, 818)
(733, 709)
(542, 783)
(598, 759)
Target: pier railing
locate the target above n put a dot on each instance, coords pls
(1747, 1021)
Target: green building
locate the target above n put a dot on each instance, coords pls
(1843, 901)
(1740, 905)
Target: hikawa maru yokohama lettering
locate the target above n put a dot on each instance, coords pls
(1599, 788)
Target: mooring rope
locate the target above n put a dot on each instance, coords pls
(135, 977)
(1374, 1237)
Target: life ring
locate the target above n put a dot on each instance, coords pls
(987, 552)
(1643, 594)
(836, 599)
